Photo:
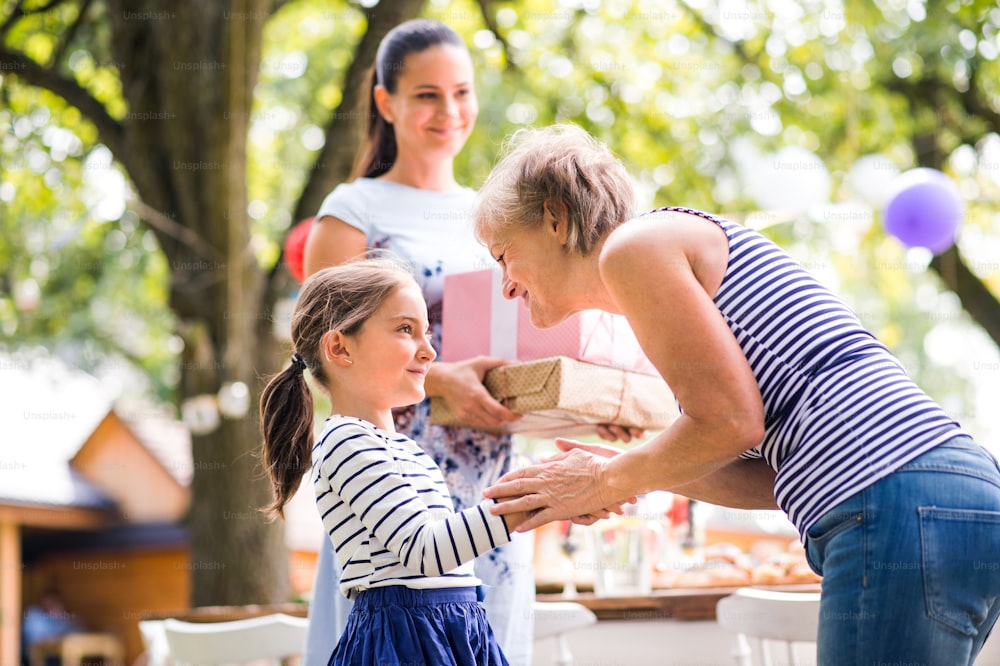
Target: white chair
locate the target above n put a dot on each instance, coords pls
(271, 637)
(764, 619)
(555, 619)
(154, 643)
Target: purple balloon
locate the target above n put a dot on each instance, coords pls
(924, 209)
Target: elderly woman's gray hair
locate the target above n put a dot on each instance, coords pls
(560, 163)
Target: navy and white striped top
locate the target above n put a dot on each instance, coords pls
(388, 513)
(840, 411)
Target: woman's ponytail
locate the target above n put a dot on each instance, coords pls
(379, 151)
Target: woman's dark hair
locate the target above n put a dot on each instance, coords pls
(379, 153)
(341, 298)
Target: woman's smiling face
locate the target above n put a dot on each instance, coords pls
(434, 107)
(534, 265)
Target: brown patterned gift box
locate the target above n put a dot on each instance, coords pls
(560, 396)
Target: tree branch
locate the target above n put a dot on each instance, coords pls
(343, 131)
(484, 9)
(19, 12)
(165, 225)
(975, 103)
(975, 296)
(110, 130)
(737, 46)
(70, 33)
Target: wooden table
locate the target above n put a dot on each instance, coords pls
(663, 604)
(668, 604)
(229, 613)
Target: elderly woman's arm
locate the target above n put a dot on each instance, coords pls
(661, 273)
(742, 484)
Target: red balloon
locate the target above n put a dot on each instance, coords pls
(295, 247)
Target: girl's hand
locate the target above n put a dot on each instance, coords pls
(602, 450)
(461, 385)
(514, 519)
(613, 433)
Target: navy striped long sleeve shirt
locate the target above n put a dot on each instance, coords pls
(388, 513)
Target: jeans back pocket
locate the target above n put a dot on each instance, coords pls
(961, 564)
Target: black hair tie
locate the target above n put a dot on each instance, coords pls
(298, 362)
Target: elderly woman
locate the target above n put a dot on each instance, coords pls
(786, 400)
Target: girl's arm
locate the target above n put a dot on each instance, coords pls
(374, 478)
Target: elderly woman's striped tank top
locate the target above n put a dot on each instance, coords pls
(840, 411)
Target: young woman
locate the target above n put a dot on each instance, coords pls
(361, 330)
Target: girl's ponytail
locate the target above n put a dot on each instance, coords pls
(286, 410)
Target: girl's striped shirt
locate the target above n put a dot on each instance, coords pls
(388, 513)
(840, 410)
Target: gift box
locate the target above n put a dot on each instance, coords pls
(476, 320)
(564, 397)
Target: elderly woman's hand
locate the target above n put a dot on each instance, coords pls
(461, 385)
(606, 452)
(568, 485)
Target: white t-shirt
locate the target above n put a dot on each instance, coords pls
(432, 230)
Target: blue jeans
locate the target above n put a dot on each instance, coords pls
(911, 564)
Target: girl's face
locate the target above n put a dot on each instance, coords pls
(434, 107)
(391, 354)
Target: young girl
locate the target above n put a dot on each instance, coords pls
(361, 330)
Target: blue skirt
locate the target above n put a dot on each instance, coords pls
(397, 625)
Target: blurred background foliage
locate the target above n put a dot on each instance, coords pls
(791, 116)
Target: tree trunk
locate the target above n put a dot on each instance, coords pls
(975, 296)
(189, 95)
(347, 127)
(189, 85)
(188, 70)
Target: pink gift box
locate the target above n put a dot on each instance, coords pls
(476, 320)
